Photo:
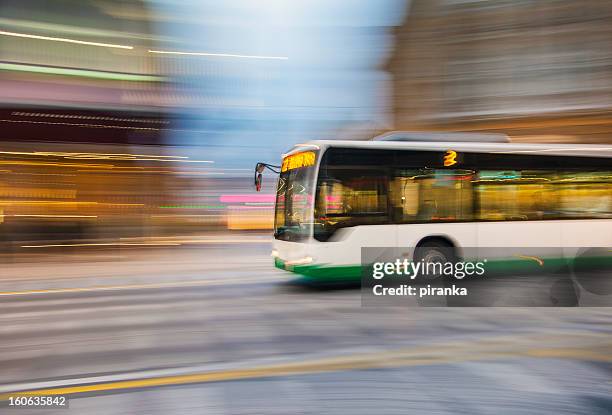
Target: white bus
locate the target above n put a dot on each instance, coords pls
(447, 190)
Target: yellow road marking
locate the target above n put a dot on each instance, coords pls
(406, 357)
(230, 281)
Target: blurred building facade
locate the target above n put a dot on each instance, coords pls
(80, 71)
(537, 70)
(82, 120)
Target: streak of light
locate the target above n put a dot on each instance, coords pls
(186, 173)
(101, 156)
(83, 73)
(54, 216)
(249, 170)
(193, 207)
(199, 240)
(224, 281)
(65, 40)
(43, 202)
(216, 241)
(269, 198)
(120, 127)
(104, 244)
(66, 154)
(45, 163)
(174, 216)
(49, 202)
(40, 174)
(267, 207)
(189, 161)
(118, 170)
(116, 158)
(217, 55)
(88, 117)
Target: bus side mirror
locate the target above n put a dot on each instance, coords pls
(258, 182)
(259, 168)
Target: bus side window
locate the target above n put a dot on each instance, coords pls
(447, 196)
(516, 195)
(347, 199)
(404, 194)
(432, 195)
(584, 194)
(331, 198)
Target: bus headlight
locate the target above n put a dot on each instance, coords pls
(274, 253)
(301, 261)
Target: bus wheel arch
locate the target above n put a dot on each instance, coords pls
(437, 242)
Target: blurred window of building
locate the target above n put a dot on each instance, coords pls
(529, 68)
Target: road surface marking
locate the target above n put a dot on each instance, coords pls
(197, 283)
(442, 354)
(156, 242)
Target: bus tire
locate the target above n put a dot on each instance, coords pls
(435, 250)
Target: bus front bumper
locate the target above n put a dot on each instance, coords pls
(321, 272)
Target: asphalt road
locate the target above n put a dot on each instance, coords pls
(210, 326)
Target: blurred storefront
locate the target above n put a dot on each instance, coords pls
(537, 70)
(86, 110)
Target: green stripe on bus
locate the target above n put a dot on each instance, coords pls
(338, 273)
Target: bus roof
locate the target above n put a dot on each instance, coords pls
(584, 150)
(442, 136)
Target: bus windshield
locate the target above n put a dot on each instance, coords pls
(295, 197)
